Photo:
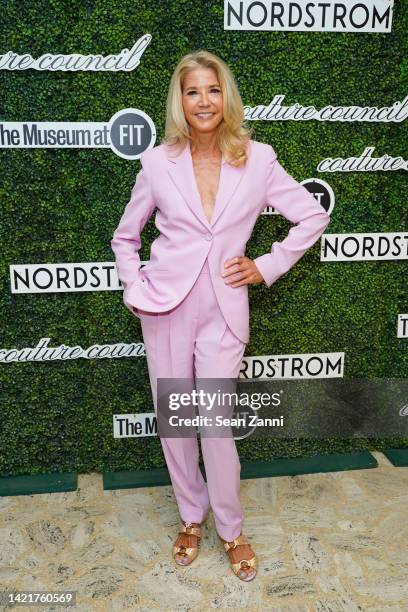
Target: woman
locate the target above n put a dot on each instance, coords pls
(208, 182)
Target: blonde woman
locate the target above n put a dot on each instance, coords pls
(208, 182)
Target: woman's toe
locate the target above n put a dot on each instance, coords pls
(250, 574)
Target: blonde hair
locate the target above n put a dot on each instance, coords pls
(232, 135)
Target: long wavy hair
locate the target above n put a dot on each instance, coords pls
(232, 136)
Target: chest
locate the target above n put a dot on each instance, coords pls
(207, 175)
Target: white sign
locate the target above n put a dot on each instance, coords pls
(275, 111)
(65, 277)
(134, 425)
(126, 60)
(402, 331)
(363, 163)
(303, 365)
(42, 352)
(307, 16)
(128, 133)
(364, 247)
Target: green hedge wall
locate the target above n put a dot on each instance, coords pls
(63, 205)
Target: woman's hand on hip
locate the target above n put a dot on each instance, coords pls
(241, 271)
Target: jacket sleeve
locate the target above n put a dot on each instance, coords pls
(126, 239)
(296, 204)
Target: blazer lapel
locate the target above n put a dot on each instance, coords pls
(181, 171)
(230, 178)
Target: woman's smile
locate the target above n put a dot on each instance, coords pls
(204, 115)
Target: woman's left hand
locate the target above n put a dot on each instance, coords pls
(241, 271)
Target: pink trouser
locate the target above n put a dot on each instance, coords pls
(194, 340)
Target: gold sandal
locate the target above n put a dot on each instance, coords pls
(191, 552)
(244, 563)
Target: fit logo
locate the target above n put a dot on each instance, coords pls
(131, 132)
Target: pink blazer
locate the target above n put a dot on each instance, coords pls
(187, 238)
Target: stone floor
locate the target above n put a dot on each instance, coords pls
(325, 543)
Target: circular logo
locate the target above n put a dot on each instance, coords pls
(243, 429)
(131, 132)
(321, 191)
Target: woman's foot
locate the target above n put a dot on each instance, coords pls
(185, 548)
(242, 557)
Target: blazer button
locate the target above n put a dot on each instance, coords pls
(208, 236)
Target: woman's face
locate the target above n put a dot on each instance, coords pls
(202, 100)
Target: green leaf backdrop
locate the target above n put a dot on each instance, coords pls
(63, 206)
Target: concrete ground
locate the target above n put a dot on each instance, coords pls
(326, 542)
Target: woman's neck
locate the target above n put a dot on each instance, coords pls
(204, 145)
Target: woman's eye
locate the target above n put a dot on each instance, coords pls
(194, 92)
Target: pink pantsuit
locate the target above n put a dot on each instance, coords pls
(193, 324)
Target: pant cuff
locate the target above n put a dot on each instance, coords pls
(229, 533)
(194, 517)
